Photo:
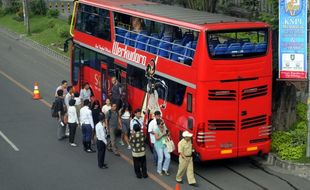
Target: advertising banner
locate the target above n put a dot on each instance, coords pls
(293, 39)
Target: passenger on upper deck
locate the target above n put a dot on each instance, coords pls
(173, 32)
(137, 24)
(92, 22)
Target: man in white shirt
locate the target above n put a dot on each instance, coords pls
(63, 87)
(138, 119)
(85, 93)
(69, 95)
(151, 130)
(101, 141)
(86, 120)
(72, 122)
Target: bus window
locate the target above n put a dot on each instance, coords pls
(189, 102)
(94, 21)
(90, 58)
(176, 91)
(76, 66)
(237, 43)
(136, 77)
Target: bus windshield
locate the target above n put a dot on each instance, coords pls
(237, 43)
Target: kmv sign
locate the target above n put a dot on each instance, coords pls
(293, 39)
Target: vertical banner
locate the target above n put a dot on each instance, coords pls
(293, 39)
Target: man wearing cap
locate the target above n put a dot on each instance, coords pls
(185, 159)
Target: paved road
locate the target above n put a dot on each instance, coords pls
(42, 162)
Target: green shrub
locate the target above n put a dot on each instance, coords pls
(2, 12)
(279, 138)
(301, 110)
(299, 137)
(38, 7)
(52, 13)
(18, 19)
(51, 23)
(20, 14)
(63, 32)
(291, 145)
(289, 152)
(36, 29)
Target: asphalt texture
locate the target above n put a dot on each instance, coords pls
(43, 162)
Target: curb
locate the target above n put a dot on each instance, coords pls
(297, 169)
(51, 53)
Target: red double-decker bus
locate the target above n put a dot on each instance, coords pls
(208, 73)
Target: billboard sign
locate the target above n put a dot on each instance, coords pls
(293, 39)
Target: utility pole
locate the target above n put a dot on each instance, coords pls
(308, 101)
(26, 16)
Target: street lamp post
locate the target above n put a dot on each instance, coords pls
(308, 100)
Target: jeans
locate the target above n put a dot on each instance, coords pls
(87, 132)
(154, 152)
(161, 152)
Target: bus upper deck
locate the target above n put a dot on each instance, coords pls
(179, 46)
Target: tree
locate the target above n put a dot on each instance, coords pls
(202, 5)
(6, 4)
(11, 6)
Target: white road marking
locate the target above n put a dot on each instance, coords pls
(8, 141)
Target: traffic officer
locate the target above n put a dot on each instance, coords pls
(185, 159)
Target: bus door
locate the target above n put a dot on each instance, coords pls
(91, 71)
(75, 72)
(92, 77)
(253, 116)
(221, 112)
(123, 81)
(105, 85)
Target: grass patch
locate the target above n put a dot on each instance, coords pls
(8, 22)
(44, 30)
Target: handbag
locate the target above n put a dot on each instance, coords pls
(169, 144)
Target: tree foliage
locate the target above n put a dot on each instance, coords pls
(11, 6)
(38, 7)
(202, 5)
(273, 17)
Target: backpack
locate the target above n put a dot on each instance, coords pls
(54, 111)
(137, 122)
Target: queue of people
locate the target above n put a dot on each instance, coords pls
(102, 124)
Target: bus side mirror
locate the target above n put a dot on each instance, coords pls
(66, 46)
